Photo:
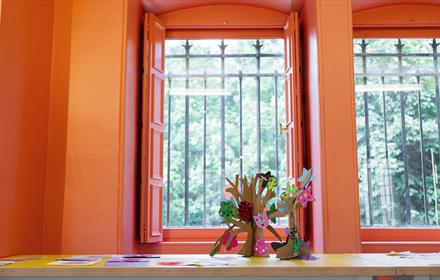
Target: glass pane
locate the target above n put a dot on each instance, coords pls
(202, 120)
(397, 133)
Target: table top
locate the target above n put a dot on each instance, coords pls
(324, 265)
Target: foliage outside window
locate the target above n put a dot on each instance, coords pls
(398, 109)
(202, 125)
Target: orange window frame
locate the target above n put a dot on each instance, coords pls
(200, 240)
(379, 239)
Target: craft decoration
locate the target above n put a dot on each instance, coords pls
(260, 248)
(232, 244)
(247, 211)
(227, 210)
(261, 220)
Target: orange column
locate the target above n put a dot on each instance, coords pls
(94, 153)
(331, 127)
(133, 68)
(57, 134)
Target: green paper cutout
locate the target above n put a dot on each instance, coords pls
(214, 251)
(292, 189)
(297, 245)
(272, 183)
(272, 209)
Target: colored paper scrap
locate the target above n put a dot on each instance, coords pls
(2, 263)
(148, 256)
(399, 254)
(127, 264)
(77, 260)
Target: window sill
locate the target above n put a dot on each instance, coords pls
(207, 234)
(196, 241)
(383, 240)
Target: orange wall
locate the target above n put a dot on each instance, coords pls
(69, 102)
(328, 64)
(25, 62)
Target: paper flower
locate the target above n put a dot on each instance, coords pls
(305, 196)
(227, 210)
(234, 242)
(245, 211)
(261, 220)
(260, 247)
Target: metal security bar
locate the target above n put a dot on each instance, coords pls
(223, 76)
(388, 193)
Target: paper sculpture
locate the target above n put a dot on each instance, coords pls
(248, 211)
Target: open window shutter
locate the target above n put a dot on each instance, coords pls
(152, 130)
(294, 121)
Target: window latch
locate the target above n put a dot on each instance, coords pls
(284, 128)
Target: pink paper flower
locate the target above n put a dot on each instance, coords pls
(305, 196)
(260, 247)
(261, 220)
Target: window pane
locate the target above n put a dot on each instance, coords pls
(397, 131)
(193, 123)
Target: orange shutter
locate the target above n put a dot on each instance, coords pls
(294, 120)
(152, 130)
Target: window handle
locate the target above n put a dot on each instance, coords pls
(284, 128)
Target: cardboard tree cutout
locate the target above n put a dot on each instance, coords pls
(247, 211)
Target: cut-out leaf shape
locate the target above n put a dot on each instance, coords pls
(284, 196)
(272, 184)
(226, 193)
(272, 209)
(227, 210)
(305, 178)
(297, 245)
(292, 189)
(265, 177)
(214, 251)
(234, 242)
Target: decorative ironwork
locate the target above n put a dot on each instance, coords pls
(240, 76)
(400, 54)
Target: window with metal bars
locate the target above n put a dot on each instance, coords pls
(224, 100)
(398, 131)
